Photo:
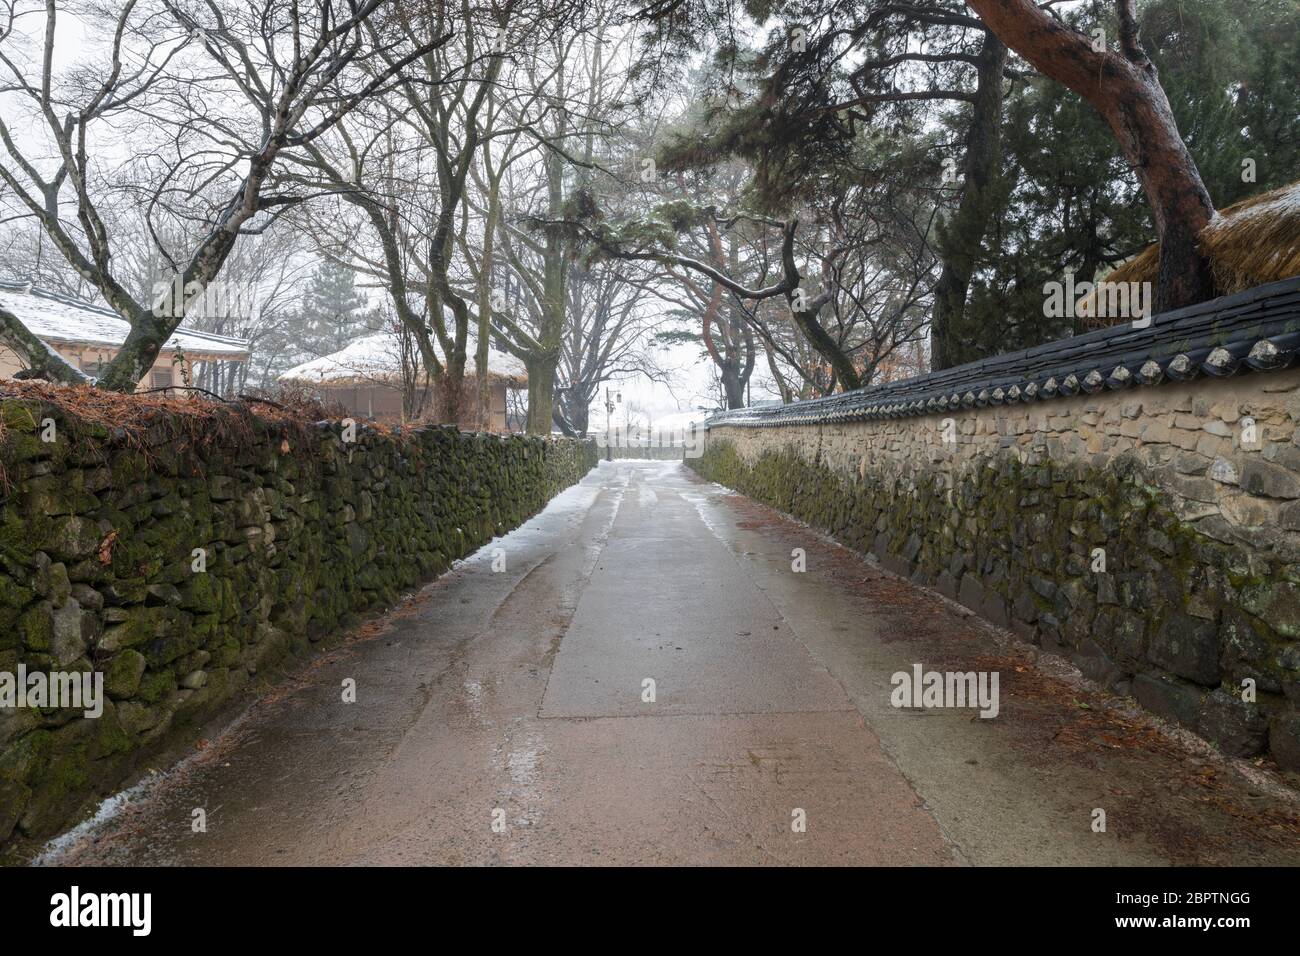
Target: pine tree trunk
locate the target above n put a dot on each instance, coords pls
(1125, 88)
(964, 233)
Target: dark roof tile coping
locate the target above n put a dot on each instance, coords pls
(1257, 329)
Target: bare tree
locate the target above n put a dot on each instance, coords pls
(424, 172)
(609, 324)
(233, 86)
(581, 75)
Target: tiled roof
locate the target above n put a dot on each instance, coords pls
(1257, 330)
(56, 318)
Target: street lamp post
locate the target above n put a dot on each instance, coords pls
(609, 411)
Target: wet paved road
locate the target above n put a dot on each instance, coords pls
(501, 719)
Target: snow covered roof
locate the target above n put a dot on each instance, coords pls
(644, 423)
(677, 422)
(376, 359)
(59, 319)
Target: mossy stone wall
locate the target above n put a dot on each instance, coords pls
(1150, 536)
(300, 532)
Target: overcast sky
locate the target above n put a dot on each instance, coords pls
(690, 385)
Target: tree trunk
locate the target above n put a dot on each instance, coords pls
(483, 386)
(580, 417)
(805, 318)
(963, 234)
(450, 392)
(148, 334)
(787, 393)
(41, 360)
(541, 391)
(1126, 90)
(541, 368)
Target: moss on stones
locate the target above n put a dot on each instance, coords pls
(97, 551)
(1016, 542)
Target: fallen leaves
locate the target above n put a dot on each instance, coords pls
(106, 548)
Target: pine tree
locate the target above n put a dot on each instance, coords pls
(334, 314)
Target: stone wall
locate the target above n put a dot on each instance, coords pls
(182, 560)
(1149, 534)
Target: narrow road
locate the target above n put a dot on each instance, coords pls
(503, 717)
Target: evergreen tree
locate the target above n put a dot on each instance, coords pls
(334, 314)
(1072, 204)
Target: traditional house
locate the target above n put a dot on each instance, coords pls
(1249, 243)
(89, 336)
(374, 376)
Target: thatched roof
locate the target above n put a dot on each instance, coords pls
(1250, 243)
(376, 360)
